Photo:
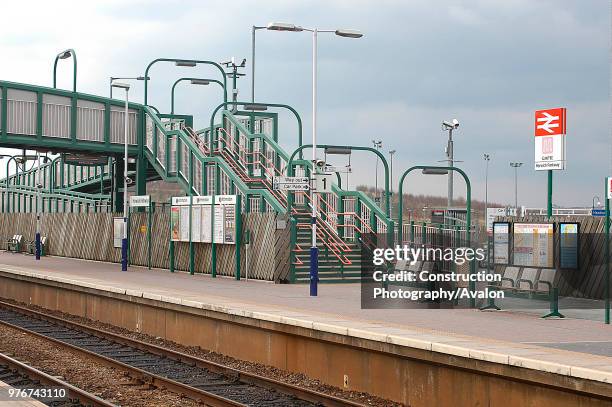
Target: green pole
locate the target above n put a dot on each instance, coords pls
(238, 218)
(550, 187)
(74, 61)
(189, 79)
(607, 279)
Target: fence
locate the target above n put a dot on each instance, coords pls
(90, 236)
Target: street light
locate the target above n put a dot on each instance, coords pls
(487, 158)
(39, 187)
(450, 126)
(124, 78)
(377, 145)
(391, 152)
(314, 253)
(193, 81)
(63, 55)
(271, 27)
(124, 242)
(186, 63)
(516, 165)
(598, 201)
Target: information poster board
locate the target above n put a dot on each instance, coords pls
(118, 225)
(533, 244)
(184, 223)
(206, 224)
(568, 245)
(175, 223)
(201, 218)
(219, 231)
(501, 243)
(196, 223)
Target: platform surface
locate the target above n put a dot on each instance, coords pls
(574, 347)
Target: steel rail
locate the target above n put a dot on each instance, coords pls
(73, 393)
(245, 377)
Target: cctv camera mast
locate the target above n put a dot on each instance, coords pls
(450, 126)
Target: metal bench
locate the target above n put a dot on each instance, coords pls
(546, 280)
(510, 276)
(527, 280)
(31, 246)
(14, 244)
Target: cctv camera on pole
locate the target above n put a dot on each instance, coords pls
(450, 126)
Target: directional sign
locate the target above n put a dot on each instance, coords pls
(550, 127)
(346, 169)
(139, 201)
(291, 183)
(598, 212)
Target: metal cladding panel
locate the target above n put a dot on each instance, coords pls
(56, 116)
(161, 146)
(117, 133)
(149, 130)
(172, 154)
(197, 175)
(21, 109)
(90, 121)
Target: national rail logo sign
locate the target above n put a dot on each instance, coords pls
(550, 139)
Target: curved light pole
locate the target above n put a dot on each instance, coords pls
(63, 55)
(598, 201)
(431, 169)
(356, 148)
(259, 106)
(185, 63)
(194, 81)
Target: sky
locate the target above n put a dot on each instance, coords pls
(490, 64)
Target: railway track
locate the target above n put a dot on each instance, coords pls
(198, 379)
(43, 387)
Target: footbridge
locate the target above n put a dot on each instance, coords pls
(82, 139)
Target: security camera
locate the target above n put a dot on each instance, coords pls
(320, 163)
(453, 124)
(128, 181)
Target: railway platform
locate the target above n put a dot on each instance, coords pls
(330, 337)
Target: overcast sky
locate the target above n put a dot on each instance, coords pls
(489, 63)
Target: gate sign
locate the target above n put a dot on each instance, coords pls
(550, 128)
(609, 187)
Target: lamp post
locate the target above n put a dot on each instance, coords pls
(598, 201)
(123, 78)
(516, 165)
(63, 55)
(253, 29)
(194, 81)
(391, 152)
(183, 63)
(124, 241)
(314, 253)
(377, 145)
(39, 187)
(487, 158)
